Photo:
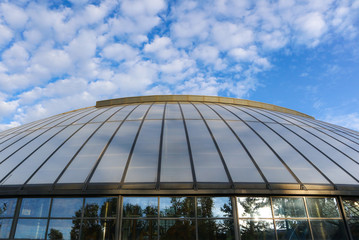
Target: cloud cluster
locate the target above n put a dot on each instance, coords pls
(55, 58)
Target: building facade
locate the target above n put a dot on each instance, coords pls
(179, 167)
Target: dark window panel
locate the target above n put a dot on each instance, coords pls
(177, 230)
(31, 228)
(293, 229)
(139, 229)
(351, 207)
(354, 228)
(213, 207)
(328, 229)
(323, 208)
(35, 207)
(177, 207)
(288, 207)
(98, 229)
(100, 207)
(67, 207)
(65, 229)
(255, 229)
(140, 207)
(216, 230)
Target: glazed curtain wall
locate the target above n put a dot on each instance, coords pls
(180, 217)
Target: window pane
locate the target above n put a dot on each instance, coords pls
(139, 229)
(354, 228)
(156, 111)
(293, 229)
(140, 206)
(177, 230)
(120, 115)
(177, 206)
(66, 207)
(216, 229)
(254, 207)
(288, 207)
(206, 112)
(5, 228)
(31, 228)
(254, 229)
(98, 229)
(351, 207)
(100, 207)
(35, 207)
(190, 112)
(64, 229)
(323, 207)
(139, 112)
(214, 207)
(328, 229)
(7, 207)
(173, 111)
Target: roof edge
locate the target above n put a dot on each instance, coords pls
(197, 98)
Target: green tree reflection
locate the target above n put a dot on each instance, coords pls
(55, 234)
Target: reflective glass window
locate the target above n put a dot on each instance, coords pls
(35, 207)
(105, 115)
(256, 229)
(254, 207)
(7, 207)
(64, 229)
(31, 228)
(5, 228)
(206, 112)
(122, 114)
(293, 229)
(156, 111)
(88, 117)
(100, 207)
(177, 206)
(78, 117)
(173, 111)
(98, 229)
(139, 112)
(210, 207)
(323, 208)
(216, 229)
(67, 207)
(139, 229)
(354, 227)
(177, 229)
(328, 229)
(189, 111)
(351, 207)
(288, 207)
(242, 115)
(225, 114)
(140, 206)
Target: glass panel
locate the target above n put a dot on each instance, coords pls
(12, 141)
(242, 115)
(7, 207)
(5, 228)
(262, 118)
(111, 166)
(87, 118)
(58, 161)
(238, 162)
(64, 118)
(328, 229)
(139, 229)
(333, 172)
(81, 166)
(140, 206)
(267, 161)
(98, 229)
(190, 112)
(296, 162)
(354, 227)
(288, 207)
(139, 112)
(225, 114)
(207, 163)
(66, 207)
(254, 207)
(35, 207)
(177, 206)
(206, 112)
(177, 230)
(216, 229)
(25, 151)
(175, 164)
(103, 117)
(31, 228)
(293, 229)
(24, 171)
(209, 207)
(122, 114)
(351, 207)
(63, 229)
(144, 162)
(323, 207)
(100, 207)
(173, 111)
(254, 229)
(78, 117)
(156, 111)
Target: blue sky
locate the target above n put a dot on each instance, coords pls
(57, 56)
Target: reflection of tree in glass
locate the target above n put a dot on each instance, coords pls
(131, 210)
(55, 234)
(180, 207)
(205, 206)
(177, 230)
(322, 207)
(3, 208)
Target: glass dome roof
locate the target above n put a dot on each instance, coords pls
(179, 143)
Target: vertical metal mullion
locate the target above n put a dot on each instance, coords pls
(82, 216)
(48, 218)
(244, 147)
(329, 158)
(195, 187)
(119, 217)
(15, 218)
(273, 219)
(196, 216)
(133, 148)
(308, 217)
(310, 162)
(344, 217)
(235, 217)
(88, 179)
(160, 150)
(158, 217)
(229, 177)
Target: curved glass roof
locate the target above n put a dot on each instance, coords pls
(175, 145)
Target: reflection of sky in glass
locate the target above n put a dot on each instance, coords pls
(254, 207)
(35, 207)
(5, 227)
(66, 207)
(142, 202)
(31, 228)
(218, 207)
(7, 207)
(177, 206)
(104, 202)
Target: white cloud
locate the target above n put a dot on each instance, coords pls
(120, 52)
(350, 120)
(5, 35)
(14, 16)
(15, 58)
(162, 48)
(311, 27)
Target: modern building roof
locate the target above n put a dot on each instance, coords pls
(179, 144)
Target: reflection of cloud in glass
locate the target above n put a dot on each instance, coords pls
(254, 207)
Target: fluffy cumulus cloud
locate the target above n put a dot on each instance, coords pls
(60, 55)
